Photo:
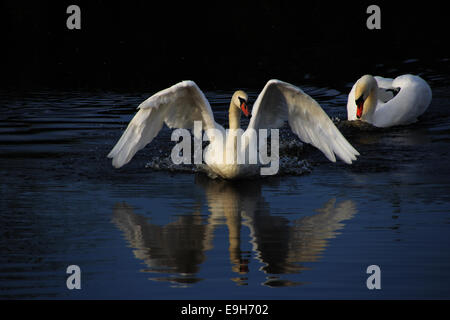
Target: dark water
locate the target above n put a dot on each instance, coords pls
(137, 232)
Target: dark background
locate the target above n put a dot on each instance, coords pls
(144, 44)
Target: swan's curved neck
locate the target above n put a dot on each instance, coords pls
(234, 117)
(370, 104)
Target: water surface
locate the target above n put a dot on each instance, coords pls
(143, 233)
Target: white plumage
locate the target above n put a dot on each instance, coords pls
(178, 107)
(182, 104)
(280, 101)
(390, 102)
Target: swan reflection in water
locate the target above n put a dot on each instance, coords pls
(280, 245)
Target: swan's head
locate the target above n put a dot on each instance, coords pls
(240, 99)
(365, 86)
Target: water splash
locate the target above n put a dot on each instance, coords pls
(291, 162)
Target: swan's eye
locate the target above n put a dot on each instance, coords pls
(241, 100)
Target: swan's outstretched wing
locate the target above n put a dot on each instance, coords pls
(280, 101)
(178, 107)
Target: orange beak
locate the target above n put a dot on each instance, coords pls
(359, 107)
(244, 109)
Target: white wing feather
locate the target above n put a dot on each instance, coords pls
(178, 107)
(280, 101)
(411, 101)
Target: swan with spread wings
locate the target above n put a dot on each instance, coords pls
(184, 103)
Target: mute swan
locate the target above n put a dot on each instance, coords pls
(280, 244)
(182, 104)
(386, 102)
